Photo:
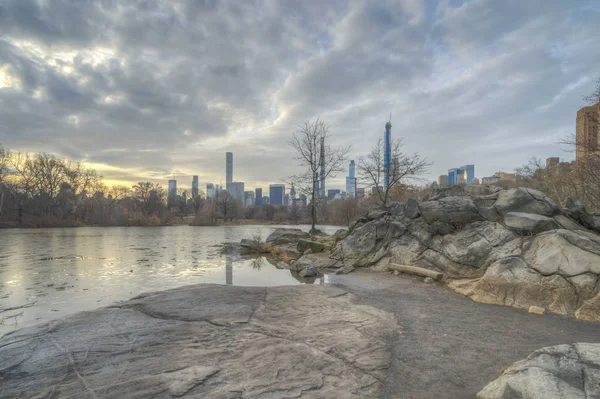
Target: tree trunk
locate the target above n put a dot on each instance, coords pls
(419, 271)
(313, 212)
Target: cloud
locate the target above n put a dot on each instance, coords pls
(151, 89)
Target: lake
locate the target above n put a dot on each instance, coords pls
(50, 273)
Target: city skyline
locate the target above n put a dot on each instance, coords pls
(156, 107)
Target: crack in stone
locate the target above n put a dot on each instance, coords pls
(74, 367)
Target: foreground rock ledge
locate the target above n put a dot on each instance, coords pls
(206, 341)
(562, 371)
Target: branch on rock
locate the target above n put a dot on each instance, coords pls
(419, 271)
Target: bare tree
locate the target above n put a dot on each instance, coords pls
(319, 160)
(403, 169)
(226, 204)
(4, 161)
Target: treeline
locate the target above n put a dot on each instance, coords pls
(43, 190)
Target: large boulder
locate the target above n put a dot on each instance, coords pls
(556, 372)
(577, 211)
(454, 212)
(526, 200)
(529, 223)
(206, 341)
(314, 246)
(284, 236)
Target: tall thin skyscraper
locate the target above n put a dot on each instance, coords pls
(172, 192)
(258, 197)
(387, 153)
(194, 186)
(322, 159)
(228, 170)
(350, 183)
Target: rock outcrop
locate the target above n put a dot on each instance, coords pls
(509, 247)
(206, 341)
(283, 236)
(562, 371)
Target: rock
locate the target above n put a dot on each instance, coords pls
(340, 234)
(529, 223)
(283, 236)
(250, 246)
(314, 246)
(307, 252)
(526, 200)
(428, 280)
(562, 371)
(206, 341)
(376, 214)
(577, 211)
(536, 310)
(321, 260)
(308, 271)
(567, 223)
(411, 210)
(452, 211)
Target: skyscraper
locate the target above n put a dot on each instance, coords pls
(228, 169)
(211, 192)
(172, 192)
(322, 175)
(194, 186)
(552, 162)
(236, 189)
(587, 131)
(443, 181)
(350, 183)
(258, 196)
(277, 194)
(462, 175)
(452, 176)
(387, 153)
(248, 198)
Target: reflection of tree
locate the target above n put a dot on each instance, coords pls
(257, 263)
(229, 267)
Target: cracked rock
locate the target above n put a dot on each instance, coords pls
(206, 341)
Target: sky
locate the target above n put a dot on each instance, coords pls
(148, 90)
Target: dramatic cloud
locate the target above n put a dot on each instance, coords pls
(151, 89)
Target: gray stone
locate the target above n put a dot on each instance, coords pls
(314, 246)
(428, 280)
(376, 214)
(286, 236)
(308, 271)
(568, 223)
(206, 341)
(562, 371)
(529, 223)
(526, 200)
(411, 210)
(577, 211)
(453, 211)
(340, 234)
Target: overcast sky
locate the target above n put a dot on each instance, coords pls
(143, 90)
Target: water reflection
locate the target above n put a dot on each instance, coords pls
(57, 272)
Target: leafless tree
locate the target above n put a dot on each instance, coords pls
(403, 169)
(306, 142)
(4, 162)
(226, 204)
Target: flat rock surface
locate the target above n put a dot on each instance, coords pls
(206, 341)
(450, 346)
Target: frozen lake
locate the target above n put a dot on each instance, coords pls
(50, 273)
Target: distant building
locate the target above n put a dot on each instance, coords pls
(587, 131)
(374, 190)
(266, 200)
(303, 199)
(331, 193)
(172, 192)
(228, 169)
(434, 185)
(443, 181)
(286, 199)
(475, 181)
(350, 180)
(292, 197)
(236, 189)
(194, 186)
(490, 180)
(360, 193)
(258, 196)
(249, 198)
(462, 175)
(506, 176)
(211, 191)
(552, 162)
(387, 154)
(277, 194)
